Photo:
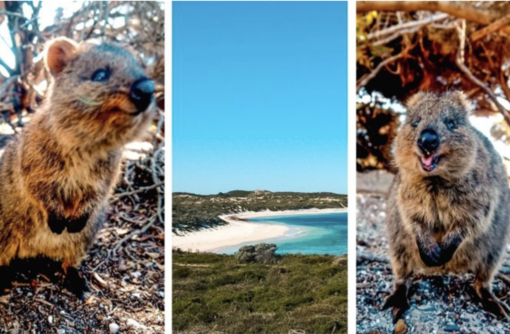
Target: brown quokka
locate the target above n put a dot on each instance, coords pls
(449, 207)
(55, 178)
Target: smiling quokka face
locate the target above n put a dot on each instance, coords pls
(436, 138)
(105, 94)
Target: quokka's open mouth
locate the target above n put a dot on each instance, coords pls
(429, 163)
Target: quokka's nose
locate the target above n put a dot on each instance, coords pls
(428, 141)
(142, 93)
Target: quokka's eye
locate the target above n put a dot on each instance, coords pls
(451, 125)
(415, 123)
(100, 75)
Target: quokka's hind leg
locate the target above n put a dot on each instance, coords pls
(399, 299)
(6, 277)
(490, 302)
(75, 281)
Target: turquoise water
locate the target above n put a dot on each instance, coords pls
(309, 234)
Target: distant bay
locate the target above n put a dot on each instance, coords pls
(322, 233)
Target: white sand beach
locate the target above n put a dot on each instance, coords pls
(239, 231)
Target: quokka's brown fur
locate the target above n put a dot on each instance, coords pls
(56, 177)
(455, 217)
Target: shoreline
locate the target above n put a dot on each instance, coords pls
(247, 215)
(240, 230)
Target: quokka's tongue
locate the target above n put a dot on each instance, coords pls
(427, 161)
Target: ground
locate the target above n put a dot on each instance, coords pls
(125, 270)
(438, 304)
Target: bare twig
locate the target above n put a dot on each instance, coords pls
(454, 8)
(407, 26)
(502, 22)
(394, 36)
(366, 78)
(504, 278)
(144, 229)
(139, 190)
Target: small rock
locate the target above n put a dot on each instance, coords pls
(135, 324)
(114, 328)
(451, 328)
(136, 274)
(50, 319)
(426, 308)
(123, 266)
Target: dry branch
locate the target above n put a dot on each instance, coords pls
(407, 26)
(502, 22)
(140, 190)
(366, 78)
(454, 8)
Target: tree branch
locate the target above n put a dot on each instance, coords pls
(502, 22)
(407, 26)
(454, 8)
(366, 78)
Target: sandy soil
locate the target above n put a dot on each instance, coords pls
(239, 230)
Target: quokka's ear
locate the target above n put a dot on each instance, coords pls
(415, 99)
(460, 98)
(60, 52)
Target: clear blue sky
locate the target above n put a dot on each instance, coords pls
(259, 96)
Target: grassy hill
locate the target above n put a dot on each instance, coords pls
(215, 293)
(192, 212)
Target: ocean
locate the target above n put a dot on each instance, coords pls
(309, 234)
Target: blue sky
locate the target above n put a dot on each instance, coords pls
(259, 96)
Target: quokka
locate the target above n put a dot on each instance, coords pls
(56, 177)
(449, 207)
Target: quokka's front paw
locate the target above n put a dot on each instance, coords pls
(78, 224)
(432, 256)
(449, 247)
(56, 223)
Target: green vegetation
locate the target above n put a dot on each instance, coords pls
(215, 293)
(193, 212)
